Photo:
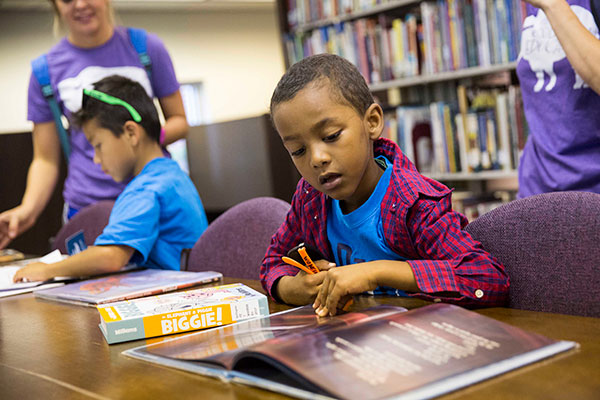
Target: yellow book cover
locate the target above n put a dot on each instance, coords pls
(398, 46)
(449, 138)
(180, 312)
(453, 34)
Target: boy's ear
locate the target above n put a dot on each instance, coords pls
(133, 132)
(374, 121)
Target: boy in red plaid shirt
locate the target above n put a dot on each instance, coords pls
(363, 204)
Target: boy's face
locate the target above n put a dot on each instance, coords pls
(114, 154)
(331, 143)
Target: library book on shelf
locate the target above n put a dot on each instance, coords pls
(127, 285)
(381, 352)
(180, 312)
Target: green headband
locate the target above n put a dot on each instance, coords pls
(108, 99)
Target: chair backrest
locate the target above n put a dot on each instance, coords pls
(91, 220)
(236, 242)
(550, 247)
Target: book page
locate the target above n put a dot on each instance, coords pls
(220, 346)
(398, 353)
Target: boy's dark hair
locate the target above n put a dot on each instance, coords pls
(346, 83)
(113, 117)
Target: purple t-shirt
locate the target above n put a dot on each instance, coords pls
(73, 68)
(563, 113)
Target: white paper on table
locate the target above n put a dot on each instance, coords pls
(7, 272)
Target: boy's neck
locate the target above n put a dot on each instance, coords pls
(145, 153)
(372, 176)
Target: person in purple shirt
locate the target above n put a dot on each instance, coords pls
(93, 48)
(559, 73)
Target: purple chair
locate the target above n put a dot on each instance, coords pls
(91, 219)
(550, 246)
(236, 242)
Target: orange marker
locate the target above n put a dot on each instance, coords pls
(346, 306)
(296, 264)
(309, 263)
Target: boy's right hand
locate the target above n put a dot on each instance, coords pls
(302, 288)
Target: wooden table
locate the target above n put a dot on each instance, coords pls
(53, 350)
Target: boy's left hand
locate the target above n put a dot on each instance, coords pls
(339, 284)
(36, 271)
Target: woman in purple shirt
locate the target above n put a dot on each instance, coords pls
(559, 73)
(92, 49)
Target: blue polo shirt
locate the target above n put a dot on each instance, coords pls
(358, 236)
(158, 214)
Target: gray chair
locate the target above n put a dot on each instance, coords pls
(236, 242)
(550, 246)
(91, 220)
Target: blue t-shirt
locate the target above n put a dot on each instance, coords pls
(158, 214)
(358, 236)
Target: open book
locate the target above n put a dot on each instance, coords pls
(377, 353)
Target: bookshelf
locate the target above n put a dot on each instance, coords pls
(354, 13)
(471, 72)
(443, 71)
(470, 176)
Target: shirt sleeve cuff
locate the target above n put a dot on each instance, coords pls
(434, 276)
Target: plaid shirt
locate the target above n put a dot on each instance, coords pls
(418, 224)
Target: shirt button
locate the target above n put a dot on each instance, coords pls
(315, 217)
(479, 293)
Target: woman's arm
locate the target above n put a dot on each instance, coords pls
(581, 47)
(41, 180)
(176, 126)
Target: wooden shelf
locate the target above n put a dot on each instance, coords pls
(442, 76)
(473, 176)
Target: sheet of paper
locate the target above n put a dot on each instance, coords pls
(7, 272)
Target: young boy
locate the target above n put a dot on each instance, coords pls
(362, 204)
(158, 213)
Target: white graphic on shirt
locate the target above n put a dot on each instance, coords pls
(71, 89)
(542, 49)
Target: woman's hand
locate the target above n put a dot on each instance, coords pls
(13, 222)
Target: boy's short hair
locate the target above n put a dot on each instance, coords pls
(113, 117)
(346, 83)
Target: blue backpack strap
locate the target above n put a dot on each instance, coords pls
(138, 40)
(42, 74)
